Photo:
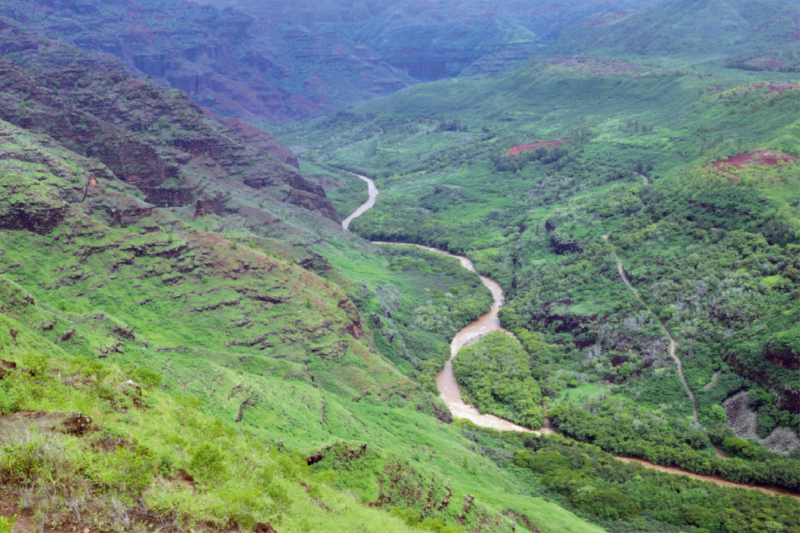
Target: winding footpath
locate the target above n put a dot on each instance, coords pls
(448, 386)
(672, 343)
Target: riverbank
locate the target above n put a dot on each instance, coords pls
(489, 322)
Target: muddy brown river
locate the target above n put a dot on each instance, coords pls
(373, 195)
(446, 381)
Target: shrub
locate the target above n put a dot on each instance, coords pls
(496, 373)
(207, 462)
(146, 378)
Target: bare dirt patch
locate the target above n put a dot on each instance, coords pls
(20, 423)
(762, 157)
(766, 62)
(779, 88)
(515, 151)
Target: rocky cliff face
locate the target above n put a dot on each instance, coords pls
(263, 141)
(155, 139)
(82, 238)
(238, 65)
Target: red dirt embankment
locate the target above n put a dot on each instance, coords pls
(761, 157)
(515, 151)
(779, 88)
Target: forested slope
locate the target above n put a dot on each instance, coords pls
(685, 180)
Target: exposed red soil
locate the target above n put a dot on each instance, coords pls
(515, 151)
(762, 157)
(779, 88)
(766, 62)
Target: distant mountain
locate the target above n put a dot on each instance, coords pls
(440, 38)
(156, 140)
(687, 27)
(240, 66)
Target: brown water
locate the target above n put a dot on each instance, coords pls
(448, 387)
(446, 379)
(373, 195)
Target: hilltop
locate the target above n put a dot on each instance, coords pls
(727, 30)
(443, 38)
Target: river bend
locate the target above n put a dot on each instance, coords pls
(448, 386)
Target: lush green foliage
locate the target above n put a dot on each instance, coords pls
(136, 454)
(430, 298)
(685, 449)
(495, 376)
(166, 314)
(627, 497)
(712, 254)
(7, 524)
(239, 346)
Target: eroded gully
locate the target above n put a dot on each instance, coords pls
(448, 386)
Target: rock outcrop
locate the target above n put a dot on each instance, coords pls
(157, 140)
(260, 139)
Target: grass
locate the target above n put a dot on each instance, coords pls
(391, 428)
(584, 391)
(177, 300)
(636, 170)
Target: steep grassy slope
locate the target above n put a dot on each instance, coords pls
(144, 458)
(246, 346)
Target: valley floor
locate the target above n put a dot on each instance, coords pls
(449, 389)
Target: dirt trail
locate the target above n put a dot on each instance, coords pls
(450, 393)
(672, 343)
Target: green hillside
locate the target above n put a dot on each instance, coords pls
(712, 252)
(228, 340)
(691, 31)
(191, 342)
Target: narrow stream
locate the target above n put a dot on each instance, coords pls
(448, 387)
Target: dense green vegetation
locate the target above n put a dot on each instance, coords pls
(495, 376)
(243, 341)
(226, 355)
(593, 482)
(615, 431)
(713, 255)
